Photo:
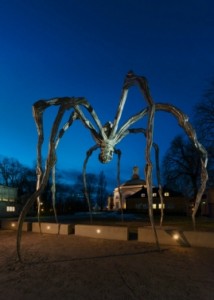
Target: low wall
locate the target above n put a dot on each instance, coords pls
(52, 228)
(146, 234)
(103, 232)
(200, 239)
(173, 236)
(13, 225)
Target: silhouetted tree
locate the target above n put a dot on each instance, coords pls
(204, 124)
(11, 171)
(14, 174)
(102, 193)
(181, 164)
(181, 167)
(204, 117)
(91, 187)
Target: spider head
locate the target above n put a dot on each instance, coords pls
(106, 153)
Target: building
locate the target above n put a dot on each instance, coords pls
(134, 197)
(8, 203)
(127, 189)
(174, 203)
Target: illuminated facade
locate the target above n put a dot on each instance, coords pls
(134, 198)
(127, 189)
(174, 203)
(8, 197)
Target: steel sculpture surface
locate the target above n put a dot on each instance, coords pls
(106, 138)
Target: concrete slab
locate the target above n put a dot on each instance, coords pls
(13, 225)
(103, 232)
(200, 239)
(53, 228)
(173, 236)
(166, 236)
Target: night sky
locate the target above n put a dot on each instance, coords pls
(53, 48)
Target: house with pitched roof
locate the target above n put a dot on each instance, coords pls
(127, 189)
(134, 197)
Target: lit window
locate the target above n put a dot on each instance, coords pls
(10, 208)
(154, 194)
(154, 205)
(166, 194)
(143, 195)
(160, 205)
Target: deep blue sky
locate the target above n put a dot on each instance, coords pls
(85, 48)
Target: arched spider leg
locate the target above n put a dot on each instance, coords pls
(156, 148)
(40, 106)
(38, 109)
(50, 162)
(184, 123)
(130, 80)
(66, 126)
(68, 103)
(123, 131)
(133, 79)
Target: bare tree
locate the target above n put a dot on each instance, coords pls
(204, 117)
(101, 190)
(91, 180)
(11, 172)
(181, 167)
(204, 124)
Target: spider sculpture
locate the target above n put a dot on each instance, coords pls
(106, 138)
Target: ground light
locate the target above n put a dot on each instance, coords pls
(175, 236)
(13, 225)
(179, 237)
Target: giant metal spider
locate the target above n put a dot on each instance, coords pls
(106, 138)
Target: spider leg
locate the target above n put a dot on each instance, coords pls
(160, 190)
(119, 110)
(66, 126)
(26, 209)
(50, 162)
(88, 154)
(124, 130)
(184, 123)
(90, 126)
(133, 79)
(118, 152)
(130, 80)
(86, 122)
(64, 103)
(148, 169)
(156, 148)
